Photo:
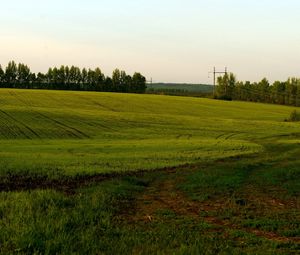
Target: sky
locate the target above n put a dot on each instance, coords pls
(166, 40)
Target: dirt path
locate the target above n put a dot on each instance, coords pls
(164, 195)
(161, 194)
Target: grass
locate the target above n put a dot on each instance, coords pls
(56, 159)
(48, 222)
(236, 162)
(69, 133)
(260, 192)
(41, 221)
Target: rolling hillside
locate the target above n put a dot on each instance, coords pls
(67, 133)
(225, 176)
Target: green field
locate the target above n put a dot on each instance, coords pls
(108, 173)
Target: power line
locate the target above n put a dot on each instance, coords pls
(150, 81)
(215, 72)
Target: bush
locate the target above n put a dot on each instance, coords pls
(295, 116)
(224, 97)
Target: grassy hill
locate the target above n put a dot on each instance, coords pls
(228, 178)
(69, 133)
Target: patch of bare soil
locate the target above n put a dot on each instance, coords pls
(269, 200)
(68, 184)
(164, 195)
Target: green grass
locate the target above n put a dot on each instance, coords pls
(69, 133)
(244, 157)
(260, 192)
(48, 222)
(54, 159)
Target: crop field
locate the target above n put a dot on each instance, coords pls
(108, 173)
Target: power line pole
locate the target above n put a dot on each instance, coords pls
(215, 72)
(149, 81)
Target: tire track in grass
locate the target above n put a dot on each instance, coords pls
(76, 132)
(110, 109)
(163, 194)
(231, 135)
(220, 136)
(22, 124)
(29, 107)
(8, 131)
(227, 136)
(96, 124)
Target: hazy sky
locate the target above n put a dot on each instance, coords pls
(168, 40)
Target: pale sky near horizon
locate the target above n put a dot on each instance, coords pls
(168, 40)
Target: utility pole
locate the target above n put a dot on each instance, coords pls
(150, 81)
(215, 72)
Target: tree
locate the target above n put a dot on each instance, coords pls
(90, 80)
(41, 80)
(23, 76)
(70, 78)
(116, 80)
(231, 85)
(67, 77)
(128, 82)
(2, 76)
(55, 78)
(291, 90)
(84, 78)
(138, 83)
(297, 103)
(61, 77)
(11, 73)
(77, 78)
(226, 86)
(263, 90)
(99, 79)
(239, 91)
(108, 84)
(123, 82)
(279, 92)
(32, 81)
(74, 78)
(49, 79)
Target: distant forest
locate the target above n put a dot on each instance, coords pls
(70, 78)
(285, 93)
(181, 87)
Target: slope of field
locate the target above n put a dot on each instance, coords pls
(226, 177)
(56, 133)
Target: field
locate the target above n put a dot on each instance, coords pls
(108, 173)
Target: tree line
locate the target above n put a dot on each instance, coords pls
(285, 93)
(70, 78)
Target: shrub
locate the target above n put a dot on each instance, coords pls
(224, 97)
(295, 116)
